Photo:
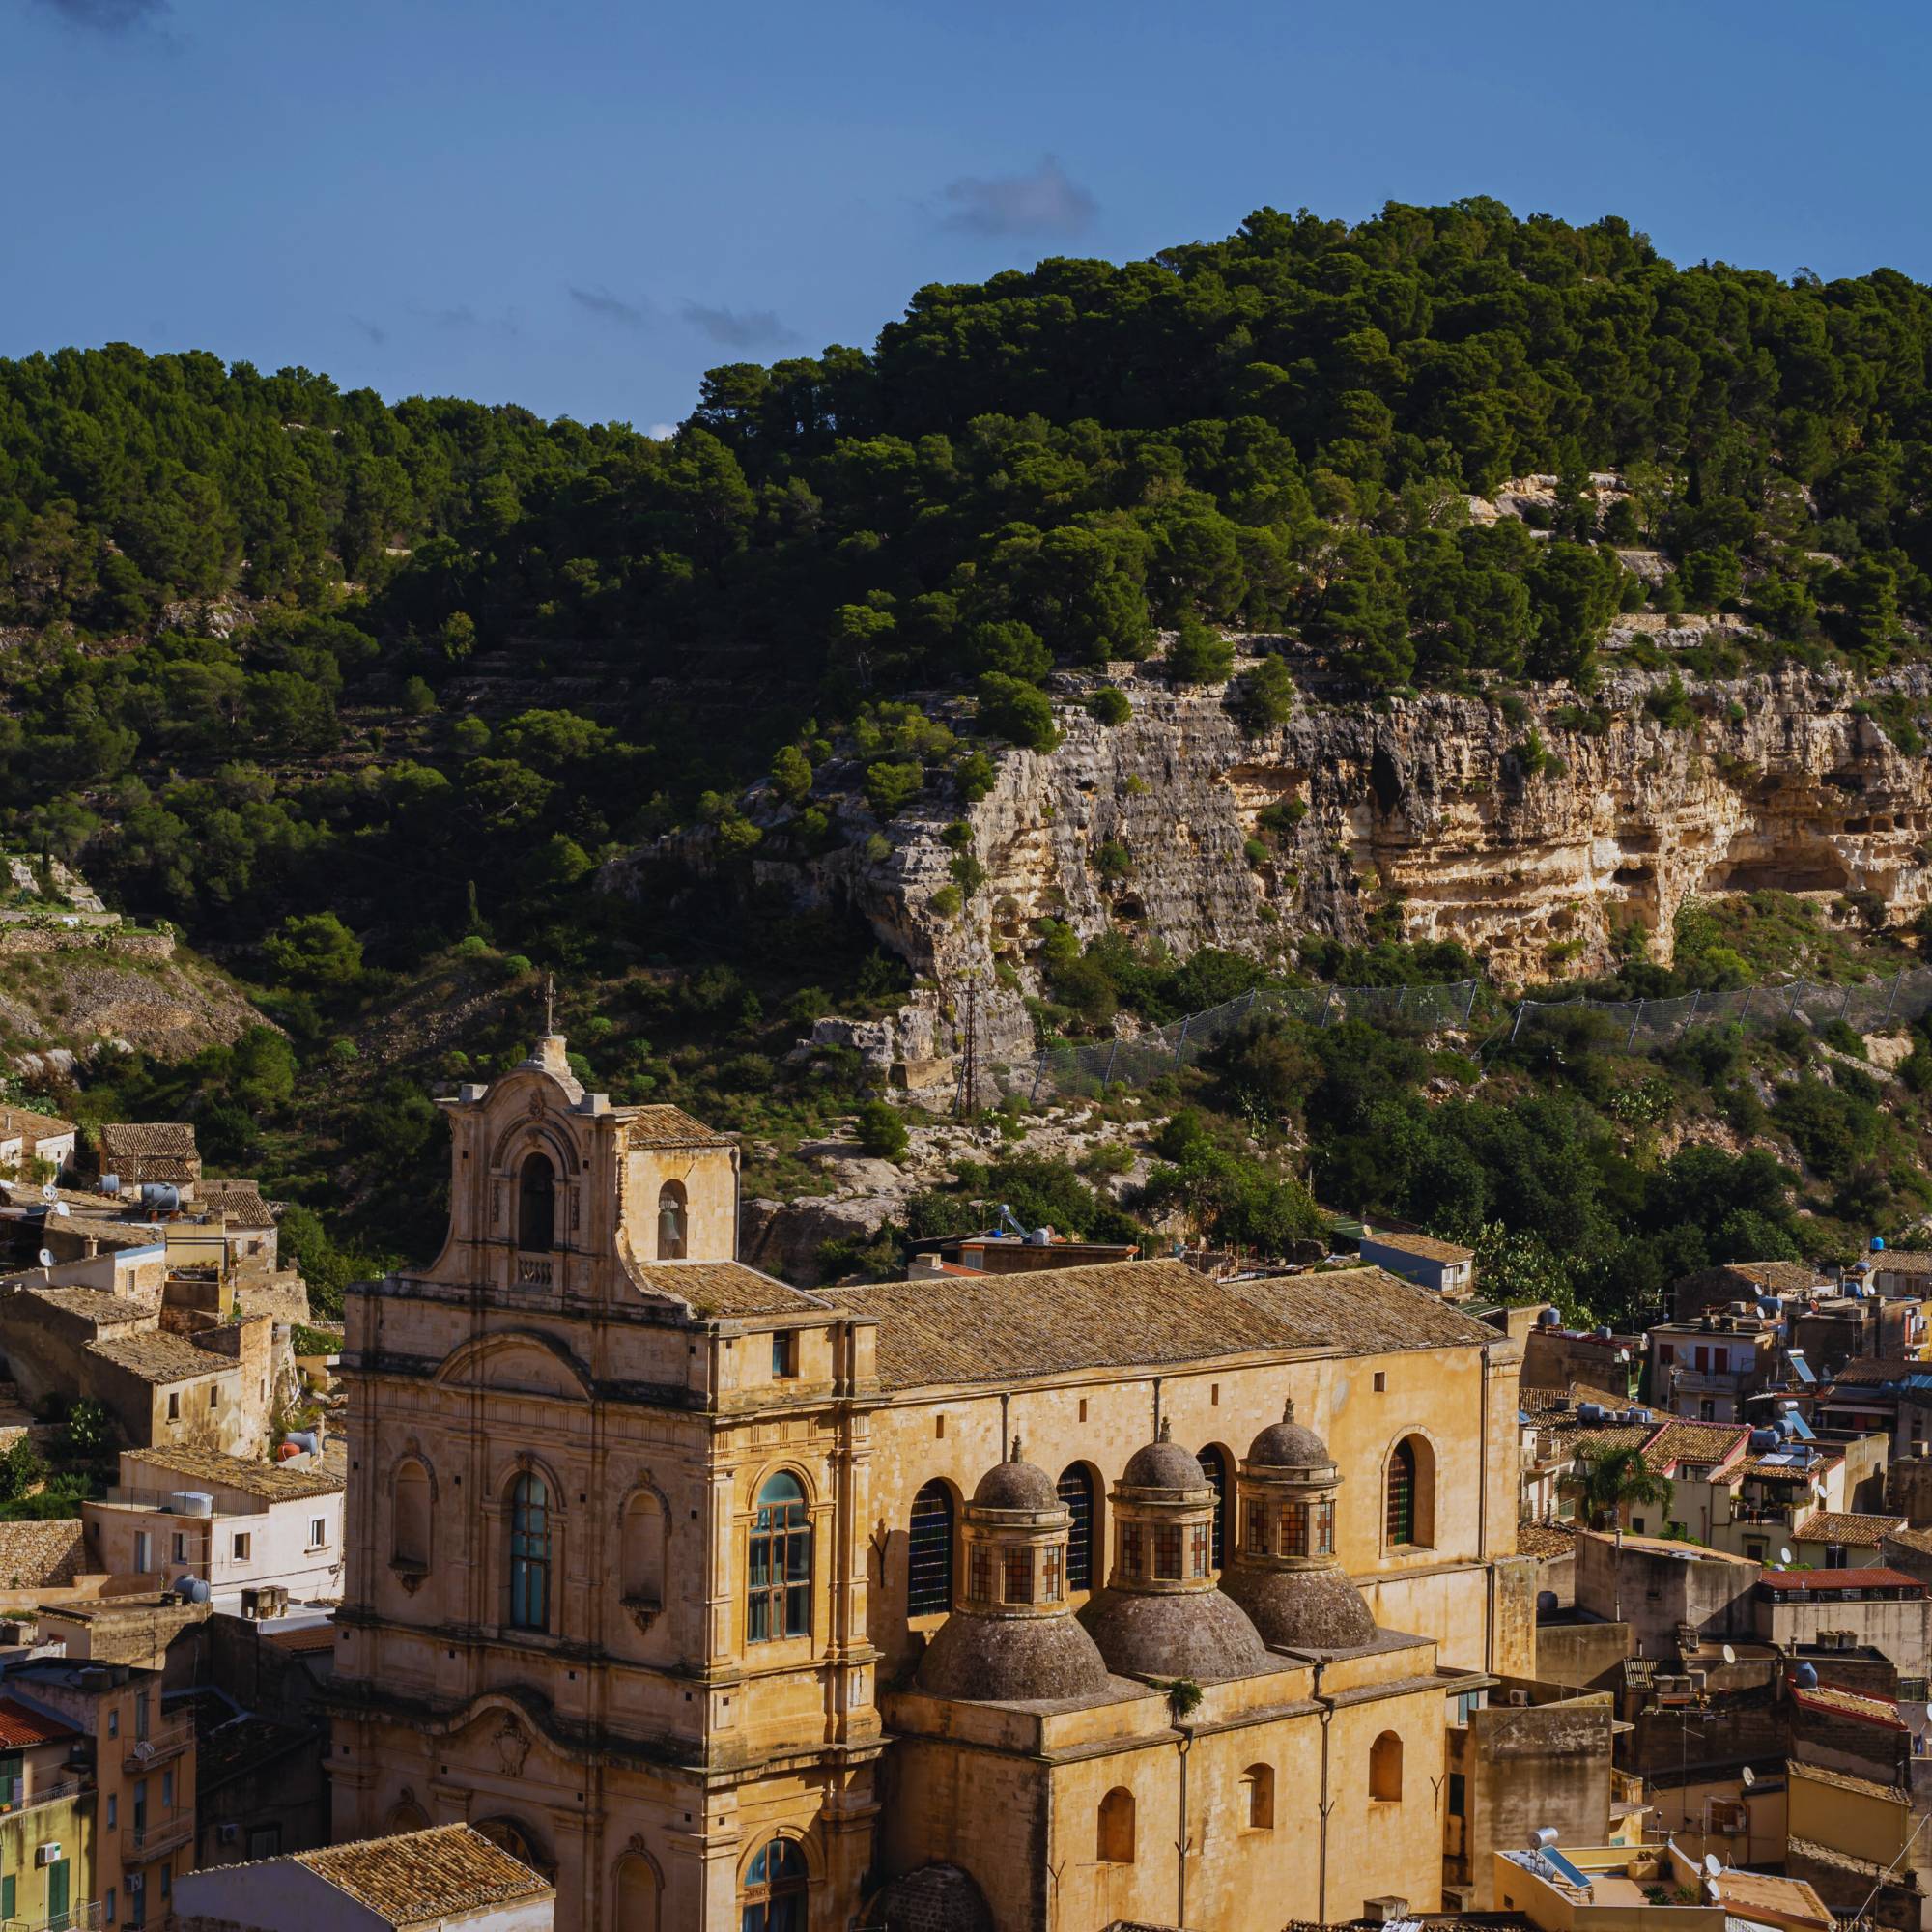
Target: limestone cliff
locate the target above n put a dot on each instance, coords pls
(1434, 803)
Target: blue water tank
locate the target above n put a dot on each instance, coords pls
(1807, 1678)
(1877, 1244)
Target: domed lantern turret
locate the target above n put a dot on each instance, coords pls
(1012, 1637)
(1161, 1614)
(1285, 1573)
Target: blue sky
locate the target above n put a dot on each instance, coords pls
(580, 207)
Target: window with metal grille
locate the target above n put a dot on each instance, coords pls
(1049, 1574)
(930, 1554)
(1019, 1576)
(1400, 1516)
(1133, 1556)
(980, 1573)
(1200, 1540)
(1167, 1551)
(1294, 1529)
(1076, 1492)
(1257, 1529)
(1215, 1469)
(1325, 1528)
(775, 1898)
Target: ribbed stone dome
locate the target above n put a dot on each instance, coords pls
(1010, 1660)
(1017, 1484)
(1164, 1465)
(1288, 1444)
(1302, 1609)
(1197, 1634)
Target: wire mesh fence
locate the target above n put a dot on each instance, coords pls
(1086, 1071)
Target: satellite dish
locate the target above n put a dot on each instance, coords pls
(1710, 1890)
(48, 1191)
(1785, 1555)
(61, 1209)
(1928, 1712)
(1711, 1866)
(1748, 1777)
(46, 1258)
(1729, 1654)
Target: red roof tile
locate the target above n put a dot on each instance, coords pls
(19, 1726)
(1842, 1579)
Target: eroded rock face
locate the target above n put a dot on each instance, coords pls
(1430, 799)
(1165, 826)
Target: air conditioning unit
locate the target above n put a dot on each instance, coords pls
(135, 1881)
(1519, 1698)
(225, 1835)
(48, 1854)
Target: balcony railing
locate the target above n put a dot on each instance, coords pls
(140, 1842)
(159, 1746)
(534, 1271)
(44, 1794)
(85, 1918)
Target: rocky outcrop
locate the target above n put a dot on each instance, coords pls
(1436, 809)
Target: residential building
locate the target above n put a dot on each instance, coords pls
(1856, 1841)
(631, 1521)
(35, 1146)
(1443, 1268)
(1871, 1604)
(995, 1253)
(48, 1820)
(1554, 1356)
(1708, 1368)
(1842, 1539)
(1603, 1889)
(235, 1525)
(141, 1153)
(144, 1772)
(448, 1879)
(1718, 1289)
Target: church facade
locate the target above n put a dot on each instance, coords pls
(1036, 1601)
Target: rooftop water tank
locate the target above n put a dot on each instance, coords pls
(1807, 1677)
(192, 1502)
(305, 1439)
(163, 1195)
(191, 1589)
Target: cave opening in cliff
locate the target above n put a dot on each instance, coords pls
(1384, 781)
(1808, 868)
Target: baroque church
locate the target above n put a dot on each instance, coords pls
(1032, 1602)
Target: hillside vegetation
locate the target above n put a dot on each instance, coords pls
(361, 694)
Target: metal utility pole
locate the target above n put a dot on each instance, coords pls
(969, 1055)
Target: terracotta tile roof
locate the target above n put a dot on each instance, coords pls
(1822, 1581)
(1541, 1401)
(1695, 1442)
(1594, 1438)
(241, 1200)
(986, 1328)
(145, 1140)
(269, 1481)
(1848, 1704)
(159, 1357)
(1848, 1861)
(671, 1126)
(20, 1726)
(720, 1289)
(93, 1304)
(1844, 1780)
(26, 1125)
(304, 1639)
(424, 1875)
(1853, 1529)
(1364, 1310)
(1426, 1247)
(1912, 1538)
(1900, 1261)
(1753, 1894)
(1880, 1368)
(1761, 1471)
(1546, 1538)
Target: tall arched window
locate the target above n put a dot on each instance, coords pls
(1076, 1492)
(674, 1222)
(409, 1517)
(1258, 1797)
(529, 1553)
(1410, 1513)
(774, 1897)
(778, 1577)
(1385, 1767)
(641, 1554)
(929, 1552)
(1214, 1466)
(636, 1894)
(1114, 1837)
(536, 1206)
(1401, 1512)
